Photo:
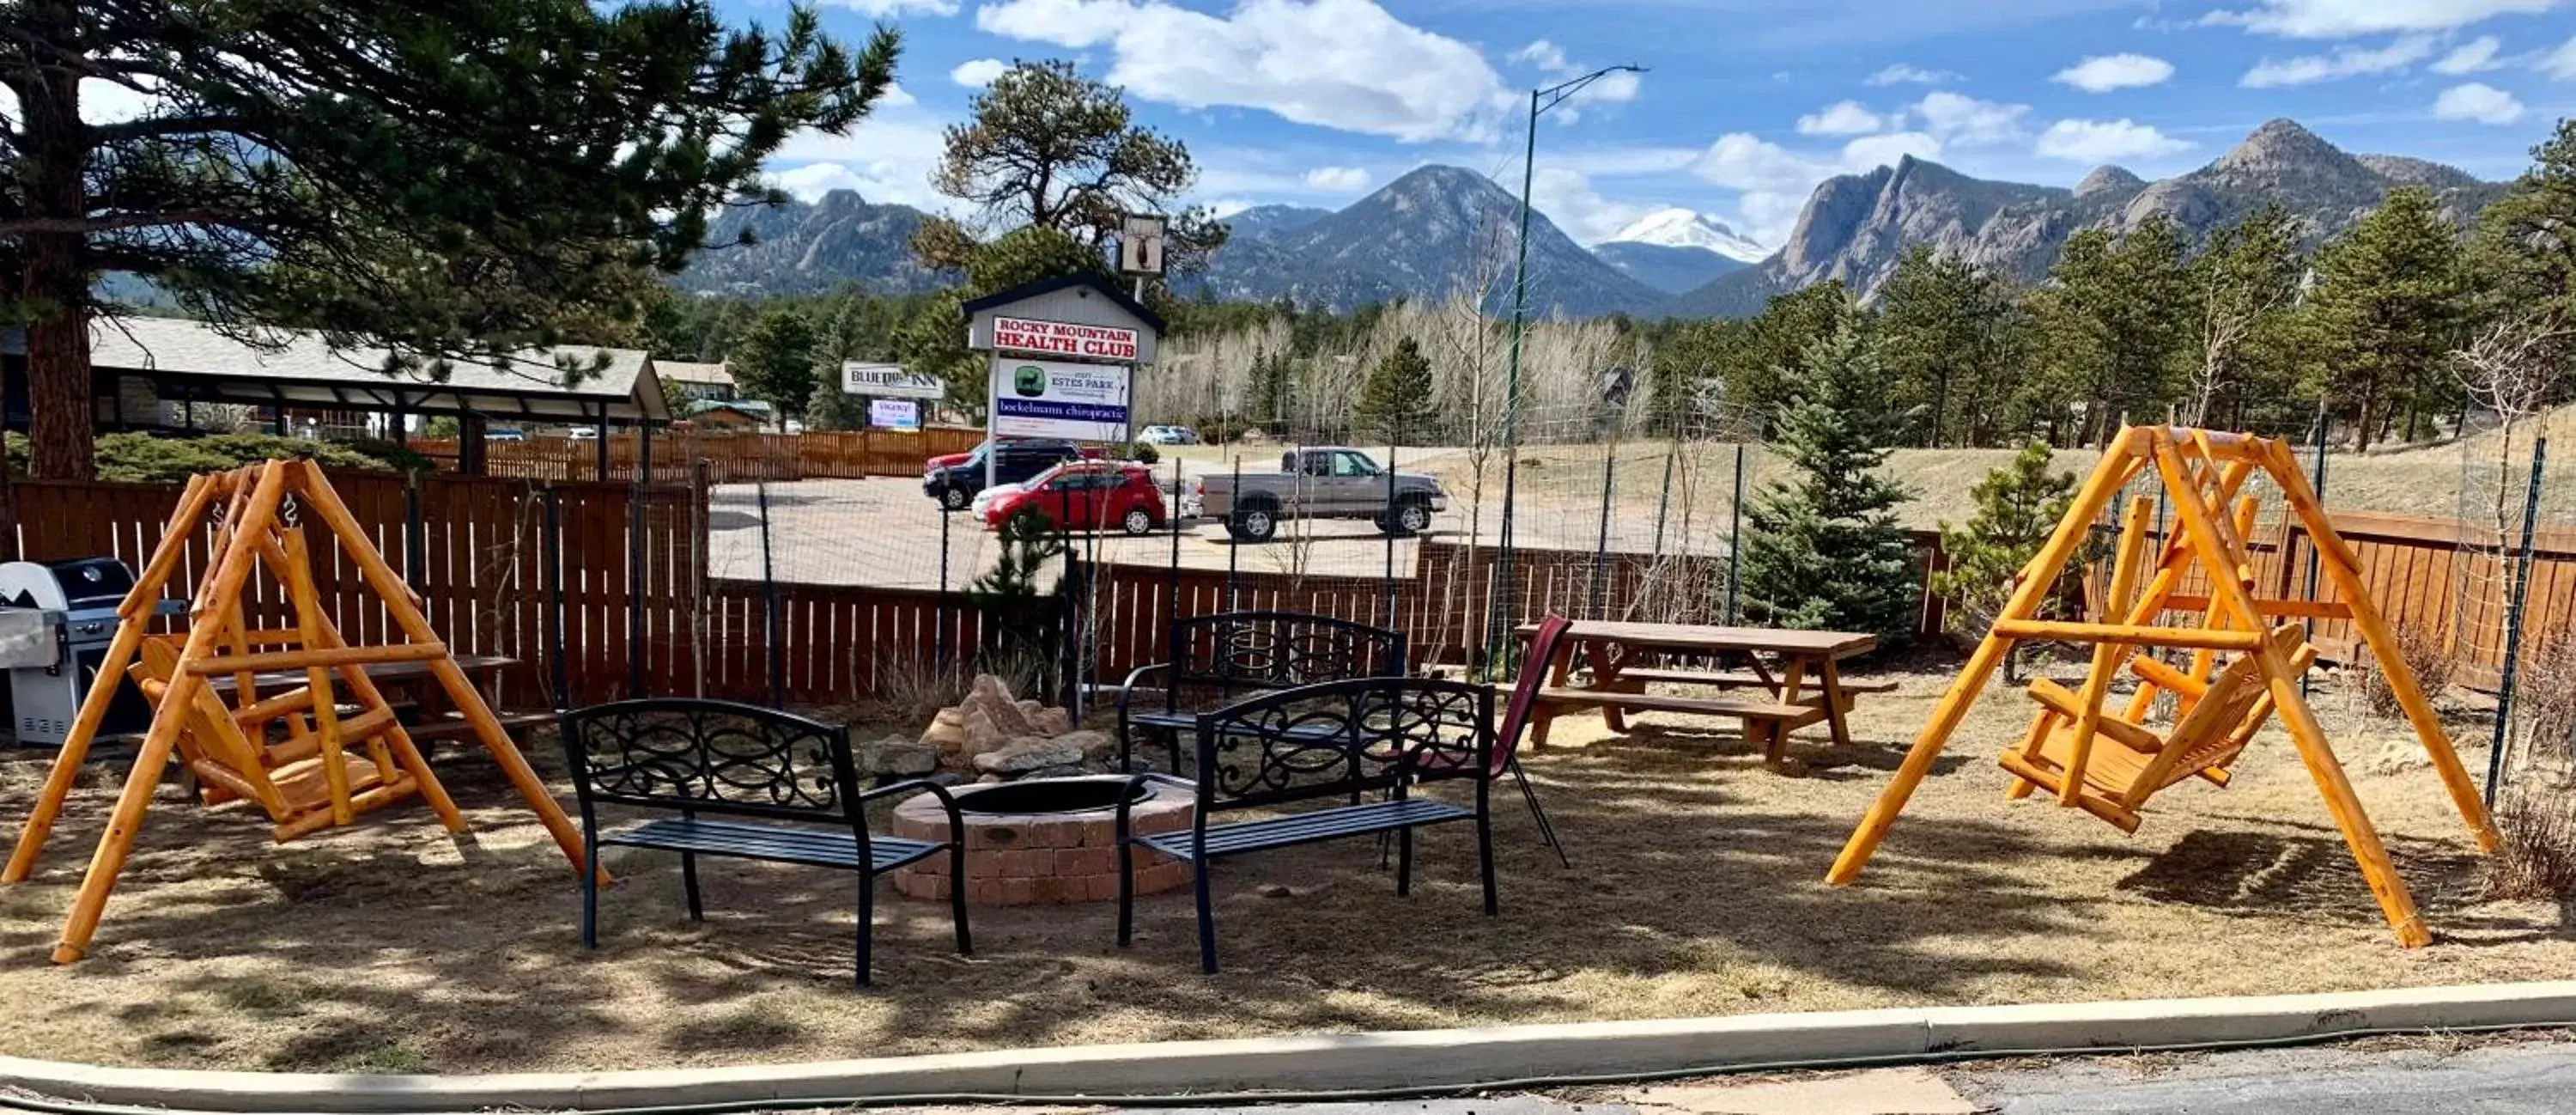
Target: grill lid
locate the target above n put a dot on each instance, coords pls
(81, 583)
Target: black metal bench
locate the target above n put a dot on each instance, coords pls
(1344, 740)
(1222, 657)
(792, 778)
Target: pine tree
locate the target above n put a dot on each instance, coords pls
(1822, 548)
(831, 408)
(1948, 337)
(2387, 310)
(449, 180)
(1395, 402)
(2111, 324)
(2018, 507)
(2243, 284)
(775, 360)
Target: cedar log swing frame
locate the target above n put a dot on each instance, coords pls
(2201, 471)
(308, 782)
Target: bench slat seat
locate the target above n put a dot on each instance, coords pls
(1307, 828)
(1713, 706)
(1739, 679)
(814, 847)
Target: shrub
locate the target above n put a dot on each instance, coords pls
(144, 458)
(2421, 649)
(2538, 857)
(2544, 698)
(1143, 452)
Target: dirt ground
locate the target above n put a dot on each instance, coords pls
(1695, 891)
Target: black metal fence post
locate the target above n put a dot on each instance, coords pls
(769, 607)
(1394, 522)
(1601, 544)
(1233, 545)
(415, 542)
(2513, 620)
(1735, 542)
(1172, 577)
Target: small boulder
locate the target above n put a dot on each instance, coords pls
(1093, 746)
(982, 734)
(1050, 721)
(1027, 755)
(990, 697)
(951, 716)
(944, 737)
(989, 780)
(896, 755)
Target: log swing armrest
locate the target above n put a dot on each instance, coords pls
(2062, 701)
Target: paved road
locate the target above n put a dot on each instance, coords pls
(2396, 1078)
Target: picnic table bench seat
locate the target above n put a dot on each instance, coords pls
(785, 789)
(1659, 702)
(1740, 679)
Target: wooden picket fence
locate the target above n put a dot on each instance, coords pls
(639, 615)
(726, 457)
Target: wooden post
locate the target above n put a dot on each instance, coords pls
(2107, 654)
(133, 614)
(2036, 581)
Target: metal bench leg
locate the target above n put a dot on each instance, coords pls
(1485, 853)
(957, 896)
(1126, 892)
(689, 881)
(1175, 737)
(590, 894)
(867, 921)
(1207, 921)
(1546, 828)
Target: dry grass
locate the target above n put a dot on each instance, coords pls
(2425, 656)
(1695, 892)
(2544, 700)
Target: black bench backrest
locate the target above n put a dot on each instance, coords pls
(706, 756)
(1230, 652)
(1342, 738)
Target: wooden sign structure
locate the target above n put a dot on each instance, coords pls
(2202, 472)
(331, 764)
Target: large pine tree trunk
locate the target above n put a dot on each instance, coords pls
(56, 280)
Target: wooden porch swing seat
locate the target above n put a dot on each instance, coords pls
(2203, 474)
(307, 758)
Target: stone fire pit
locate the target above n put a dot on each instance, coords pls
(1043, 841)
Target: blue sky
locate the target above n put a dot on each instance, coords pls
(1747, 103)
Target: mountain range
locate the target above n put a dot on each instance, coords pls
(1856, 226)
(1439, 229)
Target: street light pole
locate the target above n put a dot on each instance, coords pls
(1541, 100)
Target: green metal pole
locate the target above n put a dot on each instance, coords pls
(2513, 621)
(1494, 631)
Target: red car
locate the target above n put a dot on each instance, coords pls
(1089, 495)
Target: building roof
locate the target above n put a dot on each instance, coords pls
(1026, 291)
(191, 360)
(683, 371)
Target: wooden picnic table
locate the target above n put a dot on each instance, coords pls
(1807, 686)
(413, 682)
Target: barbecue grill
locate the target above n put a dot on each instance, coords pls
(56, 657)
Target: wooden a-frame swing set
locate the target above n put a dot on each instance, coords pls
(334, 762)
(2108, 763)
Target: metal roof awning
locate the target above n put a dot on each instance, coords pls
(191, 361)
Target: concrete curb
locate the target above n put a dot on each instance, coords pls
(1420, 1059)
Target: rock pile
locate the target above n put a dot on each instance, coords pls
(992, 736)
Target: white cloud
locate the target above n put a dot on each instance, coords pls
(1953, 118)
(1843, 118)
(979, 72)
(1338, 179)
(1773, 182)
(1225, 207)
(1903, 74)
(1569, 199)
(1544, 55)
(1343, 64)
(2470, 57)
(2345, 62)
(101, 102)
(888, 157)
(881, 9)
(896, 96)
(2115, 71)
(2341, 19)
(2477, 101)
(2560, 62)
(2093, 142)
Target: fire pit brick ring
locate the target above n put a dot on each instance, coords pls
(1044, 841)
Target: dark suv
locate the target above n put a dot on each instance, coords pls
(953, 481)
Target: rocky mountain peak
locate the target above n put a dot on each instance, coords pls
(2108, 180)
(2279, 144)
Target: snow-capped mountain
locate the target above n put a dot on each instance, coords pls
(1682, 228)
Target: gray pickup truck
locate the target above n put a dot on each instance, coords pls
(1320, 482)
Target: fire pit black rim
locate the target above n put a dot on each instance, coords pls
(1040, 797)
